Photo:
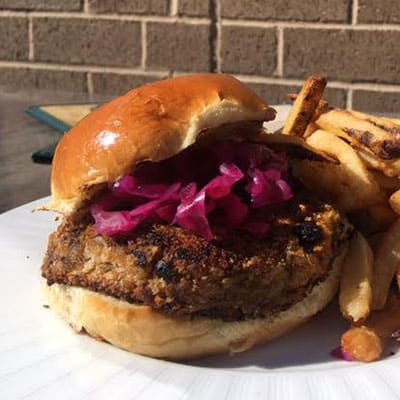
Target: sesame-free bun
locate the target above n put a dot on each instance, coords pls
(142, 330)
(153, 122)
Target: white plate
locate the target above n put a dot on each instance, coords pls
(42, 358)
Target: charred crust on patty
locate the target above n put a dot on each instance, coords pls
(309, 234)
(173, 270)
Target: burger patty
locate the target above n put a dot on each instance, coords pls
(234, 277)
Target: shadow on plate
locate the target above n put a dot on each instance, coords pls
(310, 344)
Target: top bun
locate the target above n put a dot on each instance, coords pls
(153, 122)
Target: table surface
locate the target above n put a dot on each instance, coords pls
(21, 180)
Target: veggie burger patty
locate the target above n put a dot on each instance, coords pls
(234, 277)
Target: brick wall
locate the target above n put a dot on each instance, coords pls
(108, 46)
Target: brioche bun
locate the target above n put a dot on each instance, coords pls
(153, 122)
(142, 330)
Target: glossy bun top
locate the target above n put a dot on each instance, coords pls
(150, 123)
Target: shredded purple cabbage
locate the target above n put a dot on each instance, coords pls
(230, 181)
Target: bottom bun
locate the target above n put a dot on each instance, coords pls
(142, 330)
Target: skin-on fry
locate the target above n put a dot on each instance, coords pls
(366, 343)
(322, 107)
(355, 293)
(357, 182)
(382, 216)
(331, 180)
(361, 133)
(387, 261)
(304, 106)
(372, 162)
(362, 344)
(374, 219)
(394, 165)
(387, 183)
(374, 240)
(311, 128)
(293, 145)
(394, 201)
(384, 123)
(394, 120)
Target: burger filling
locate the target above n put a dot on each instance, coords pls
(221, 232)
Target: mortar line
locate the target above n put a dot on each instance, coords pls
(161, 73)
(213, 36)
(83, 68)
(89, 83)
(349, 99)
(354, 13)
(31, 53)
(219, 33)
(310, 25)
(144, 44)
(173, 10)
(279, 52)
(111, 16)
(85, 8)
(199, 20)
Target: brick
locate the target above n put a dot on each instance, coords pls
(85, 41)
(26, 78)
(377, 102)
(117, 84)
(277, 94)
(382, 11)
(342, 54)
(152, 7)
(286, 10)
(336, 97)
(248, 50)
(194, 8)
(178, 46)
(14, 38)
(42, 5)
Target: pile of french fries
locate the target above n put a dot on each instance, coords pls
(363, 179)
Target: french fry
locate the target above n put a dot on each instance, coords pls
(355, 295)
(374, 240)
(304, 106)
(365, 184)
(362, 344)
(361, 133)
(322, 107)
(356, 182)
(382, 216)
(387, 183)
(311, 128)
(374, 219)
(294, 146)
(366, 343)
(388, 168)
(384, 123)
(386, 262)
(374, 163)
(394, 201)
(394, 120)
(394, 165)
(331, 180)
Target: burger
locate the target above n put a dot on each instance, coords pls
(183, 232)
